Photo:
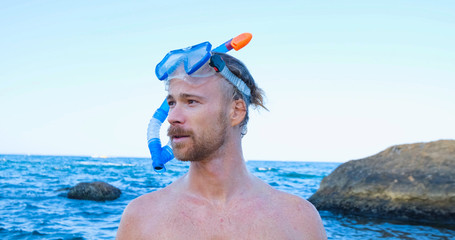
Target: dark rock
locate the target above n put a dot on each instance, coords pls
(97, 191)
(412, 182)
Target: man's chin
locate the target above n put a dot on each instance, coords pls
(181, 153)
(185, 156)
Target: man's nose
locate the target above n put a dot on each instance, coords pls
(176, 115)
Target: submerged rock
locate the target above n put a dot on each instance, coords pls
(412, 182)
(97, 191)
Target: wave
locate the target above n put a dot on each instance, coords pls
(266, 169)
(298, 175)
(17, 233)
(91, 163)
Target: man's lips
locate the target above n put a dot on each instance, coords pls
(179, 138)
(178, 134)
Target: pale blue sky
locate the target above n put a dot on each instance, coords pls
(344, 79)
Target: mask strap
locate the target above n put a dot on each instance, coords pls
(220, 66)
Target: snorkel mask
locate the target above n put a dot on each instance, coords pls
(195, 64)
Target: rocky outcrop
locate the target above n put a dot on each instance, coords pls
(97, 191)
(412, 182)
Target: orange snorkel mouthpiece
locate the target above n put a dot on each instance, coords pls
(241, 41)
(236, 43)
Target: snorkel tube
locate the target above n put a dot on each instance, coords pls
(162, 155)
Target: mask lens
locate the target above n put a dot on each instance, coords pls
(192, 59)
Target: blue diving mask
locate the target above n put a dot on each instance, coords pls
(190, 58)
(196, 63)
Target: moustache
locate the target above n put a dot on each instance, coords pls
(178, 131)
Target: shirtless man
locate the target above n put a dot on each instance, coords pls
(218, 198)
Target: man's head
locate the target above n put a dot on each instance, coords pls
(208, 111)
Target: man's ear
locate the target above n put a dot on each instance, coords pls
(238, 112)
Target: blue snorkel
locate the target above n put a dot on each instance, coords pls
(162, 155)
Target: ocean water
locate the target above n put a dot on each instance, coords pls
(32, 208)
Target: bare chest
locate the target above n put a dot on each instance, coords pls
(201, 222)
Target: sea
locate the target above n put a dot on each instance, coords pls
(32, 207)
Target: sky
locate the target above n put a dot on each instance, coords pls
(343, 79)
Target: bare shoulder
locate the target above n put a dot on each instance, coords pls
(295, 203)
(142, 215)
(300, 214)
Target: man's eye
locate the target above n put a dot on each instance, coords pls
(171, 103)
(192, 101)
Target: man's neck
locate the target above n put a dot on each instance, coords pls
(221, 177)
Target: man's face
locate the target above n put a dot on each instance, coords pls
(198, 118)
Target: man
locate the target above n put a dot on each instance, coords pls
(218, 198)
